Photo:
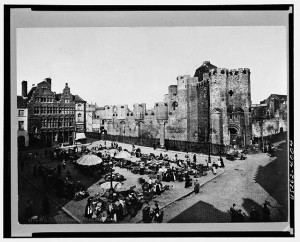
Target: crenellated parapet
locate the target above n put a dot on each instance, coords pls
(161, 111)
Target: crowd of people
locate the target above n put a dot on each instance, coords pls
(115, 206)
(237, 216)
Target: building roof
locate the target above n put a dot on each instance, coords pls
(278, 96)
(31, 91)
(21, 102)
(275, 96)
(77, 98)
(204, 68)
(43, 82)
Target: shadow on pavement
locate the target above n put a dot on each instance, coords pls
(26, 191)
(201, 212)
(274, 178)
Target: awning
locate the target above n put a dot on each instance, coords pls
(79, 136)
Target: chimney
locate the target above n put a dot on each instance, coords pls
(206, 62)
(24, 88)
(66, 84)
(48, 80)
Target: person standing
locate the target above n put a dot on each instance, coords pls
(240, 216)
(195, 158)
(233, 213)
(214, 170)
(254, 215)
(196, 187)
(222, 162)
(156, 212)
(147, 218)
(88, 209)
(266, 213)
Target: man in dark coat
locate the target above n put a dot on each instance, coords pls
(239, 216)
(222, 162)
(196, 187)
(266, 213)
(156, 212)
(233, 213)
(254, 215)
(147, 216)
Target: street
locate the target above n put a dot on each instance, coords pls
(244, 182)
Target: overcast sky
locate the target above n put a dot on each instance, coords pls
(121, 65)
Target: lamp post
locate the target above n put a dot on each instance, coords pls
(111, 168)
(208, 120)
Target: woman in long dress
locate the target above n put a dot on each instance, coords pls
(88, 209)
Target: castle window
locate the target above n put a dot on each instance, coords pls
(156, 105)
(131, 114)
(122, 106)
(166, 104)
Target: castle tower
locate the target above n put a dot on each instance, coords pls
(218, 105)
(161, 113)
(192, 109)
(239, 104)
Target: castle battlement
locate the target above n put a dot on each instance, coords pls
(239, 71)
(219, 71)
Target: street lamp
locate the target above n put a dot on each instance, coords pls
(111, 169)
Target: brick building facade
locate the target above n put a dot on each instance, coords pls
(51, 116)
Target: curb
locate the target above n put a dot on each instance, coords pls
(52, 199)
(187, 194)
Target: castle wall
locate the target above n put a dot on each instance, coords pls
(218, 106)
(122, 111)
(240, 99)
(203, 110)
(192, 110)
(183, 114)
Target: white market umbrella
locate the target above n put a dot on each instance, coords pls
(122, 155)
(89, 160)
(163, 169)
(113, 151)
(107, 185)
(133, 159)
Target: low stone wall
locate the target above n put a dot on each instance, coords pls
(177, 145)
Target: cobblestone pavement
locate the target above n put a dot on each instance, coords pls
(243, 183)
(239, 184)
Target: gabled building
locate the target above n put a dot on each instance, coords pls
(51, 116)
(22, 122)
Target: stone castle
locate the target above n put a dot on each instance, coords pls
(214, 97)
